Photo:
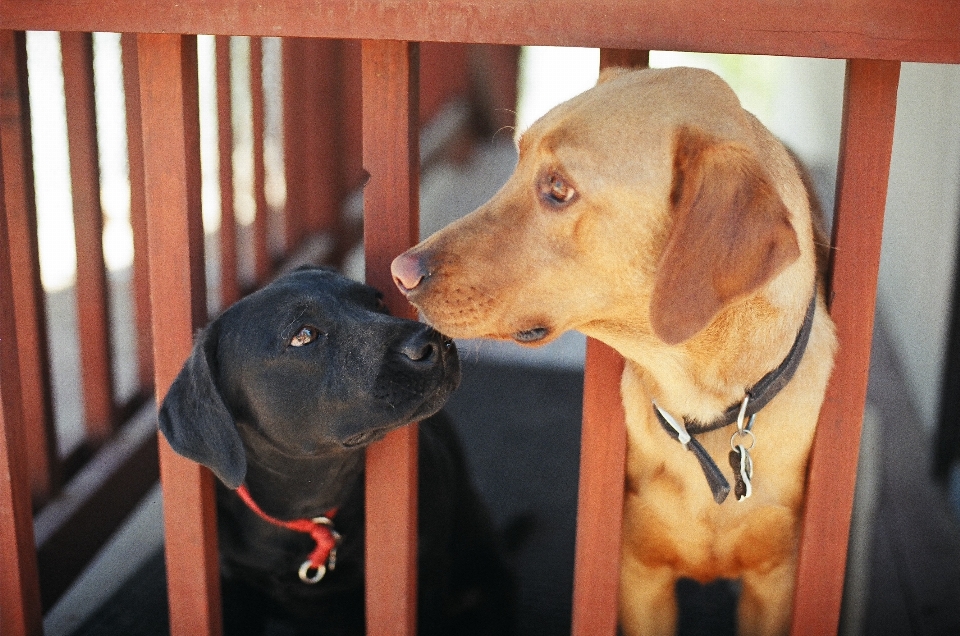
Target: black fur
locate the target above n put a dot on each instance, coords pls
(292, 423)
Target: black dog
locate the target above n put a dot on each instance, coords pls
(282, 393)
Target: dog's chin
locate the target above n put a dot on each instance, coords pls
(432, 405)
(365, 438)
(535, 336)
(427, 408)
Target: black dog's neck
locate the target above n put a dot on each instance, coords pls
(304, 487)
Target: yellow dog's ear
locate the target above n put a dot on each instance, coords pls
(731, 234)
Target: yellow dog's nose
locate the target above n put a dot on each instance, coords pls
(408, 271)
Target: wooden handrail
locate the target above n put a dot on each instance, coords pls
(926, 31)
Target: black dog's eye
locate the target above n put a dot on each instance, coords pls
(304, 336)
(555, 190)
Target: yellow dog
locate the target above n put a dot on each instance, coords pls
(655, 214)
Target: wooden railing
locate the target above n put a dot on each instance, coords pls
(874, 36)
(324, 165)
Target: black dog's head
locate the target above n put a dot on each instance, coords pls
(313, 365)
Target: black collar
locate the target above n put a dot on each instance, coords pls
(759, 396)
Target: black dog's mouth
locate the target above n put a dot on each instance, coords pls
(365, 438)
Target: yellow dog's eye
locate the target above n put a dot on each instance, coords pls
(556, 191)
(305, 336)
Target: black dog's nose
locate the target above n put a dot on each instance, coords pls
(422, 346)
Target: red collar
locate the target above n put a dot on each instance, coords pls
(324, 555)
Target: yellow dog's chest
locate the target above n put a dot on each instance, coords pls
(671, 518)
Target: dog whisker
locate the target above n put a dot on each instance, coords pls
(502, 128)
(403, 387)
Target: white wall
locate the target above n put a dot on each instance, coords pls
(920, 227)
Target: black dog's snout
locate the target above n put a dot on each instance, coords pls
(422, 346)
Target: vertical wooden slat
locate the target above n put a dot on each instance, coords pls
(261, 224)
(444, 76)
(169, 105)
(603, 451)
(313, 112)
(138, 209)
(19, 583)
(327, 191)
(27, 290)
(496, 73)
(391, 221)
(603, 447)
(629, 58)
(297, 91)
(91, 286)
(229, 280)
(870, 104)
(351, 123)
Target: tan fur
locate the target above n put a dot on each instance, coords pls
(689, 247)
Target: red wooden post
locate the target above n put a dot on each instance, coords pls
(499, 68)
(19, 583)
(870, 105)
(313, 115)
(306, 131)
(603, 448)
(327, 188)
(138, 209)
(168, 93)
(444, 74)
(229, 281)
(628, 58)
(351, 132)
(262, 262)
(391, 221)
(28, 297)
(603, 452)
(92, 305)
(298, 88)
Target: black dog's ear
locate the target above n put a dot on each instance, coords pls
(195, 420)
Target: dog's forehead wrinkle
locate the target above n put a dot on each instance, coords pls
(289, 329)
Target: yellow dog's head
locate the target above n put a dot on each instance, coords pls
(639, 209)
